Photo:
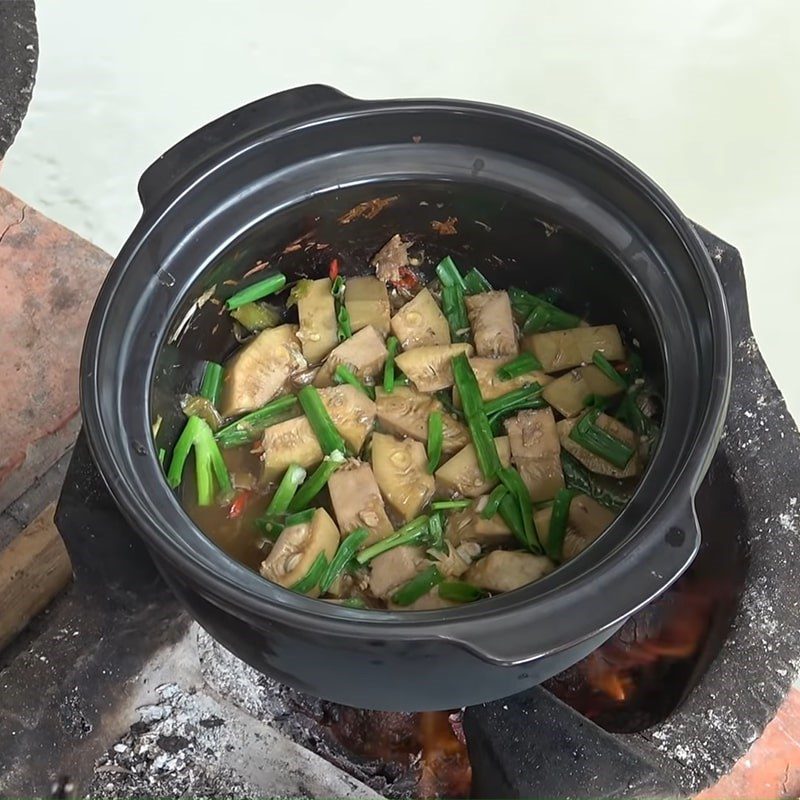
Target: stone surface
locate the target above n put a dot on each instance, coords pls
(49, 278)
(41, 492)
(33, 500)
(188, 741)
(9, 528)
(565, 755)
(19, 50)
(771, 767)
(66, 681)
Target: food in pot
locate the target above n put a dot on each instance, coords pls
(382, 443)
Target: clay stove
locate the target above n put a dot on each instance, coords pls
(664, 708)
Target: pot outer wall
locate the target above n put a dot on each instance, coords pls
(432, 662)
(436, 674)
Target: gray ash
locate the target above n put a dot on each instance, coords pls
(303, 718)
(174, 750)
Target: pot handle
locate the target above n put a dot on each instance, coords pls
(660, 561)
(267, 113)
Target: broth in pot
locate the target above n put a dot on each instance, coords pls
(381, 442)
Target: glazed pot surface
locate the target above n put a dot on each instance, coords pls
(531, 204)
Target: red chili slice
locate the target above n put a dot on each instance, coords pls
(239, 502)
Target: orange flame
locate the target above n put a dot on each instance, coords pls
(446, 771)
(429, 744)
(610, 679)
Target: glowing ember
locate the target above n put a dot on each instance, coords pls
(445, 769)
(430, 744)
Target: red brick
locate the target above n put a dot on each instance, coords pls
(770, 770)
(49, 278)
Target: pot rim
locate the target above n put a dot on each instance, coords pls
(249, 596)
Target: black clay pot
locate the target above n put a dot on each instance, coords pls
(534, 204)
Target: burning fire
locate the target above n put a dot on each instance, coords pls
(627, 684)
(446, 771)
(430, 745)
(619, 673)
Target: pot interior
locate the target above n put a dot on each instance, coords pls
(509, 237)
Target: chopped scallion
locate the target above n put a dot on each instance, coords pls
(345, 328)
(539, 315)
(550, 295)
(540, 319)
(588, 434)
(418, 586)
(448, 274)
(353, 602)
(209, 463)
(493, 503)
(436, 530)
(558, 524)
(310, 580)
(480, 430)
(321, 423)
(300, 518)
(435, 440)
(577, 477)
(249, 427)
(388, 368)
(510, 514)
(522, 364)
(450, 505)
(287, 488)
(456, 312)
(212, 382)
(524, 397)
(346, 375)
(607, 368)
(476, 283)
(279, 505)
(272, 525)
(317, 481)
(461, 592)
(337, 287)
(512, 480)
(181, 452)
(413, 532)
(347, 549)
(271, 285)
